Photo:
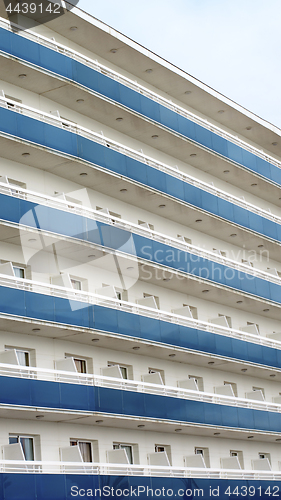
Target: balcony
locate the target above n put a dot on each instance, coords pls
(165, 258)
(31, 303)
(61, 395)
(136, 99)
(219, 216)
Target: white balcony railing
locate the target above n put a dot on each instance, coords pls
(105, 469)
(130, 307)
(101, 139)
(88, 379)
(42, 199)
(94, 64)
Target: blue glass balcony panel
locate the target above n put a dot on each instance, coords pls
(203, 136)
(47, 394)
(81, 397)
(128, 324)
(12, 301)
(35, 307)
(77, 397)
(105, 319)
(58, 486)
(66, 67)
(55, 486)
(20, 487)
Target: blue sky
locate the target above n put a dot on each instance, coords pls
(233, 46)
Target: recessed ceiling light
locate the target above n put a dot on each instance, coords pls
(248, 128)
(32, 239)
(217, 433)
(205, 291)
(250, 437)
(79, 100)
(149, 70)
(130, 268)
(113, 51)
(22, 75)
(221, 111)
(155, 136)
(239, 302)
(211, 362)
(95, 340)
(272, 375)
(141, 426)
(166, 279)
(83, 174)
(265, 310)
(226, 171)
(119, 119)
(39, 416)
(274, 143)
(193, 155)
(91, 256)
(99, 421)
(123, 190)
(233, 235)
(73, 28)
(187, 92)
(178, 430)
(244, 370)
(136, 348)
(25, 154)
(172, 355)
(254, 184)
(260, 246)
(36, 329)
(162, 206)
(198, 220)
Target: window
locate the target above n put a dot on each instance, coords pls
(85, 448)
(193, 311)
(22, 355)
(123, 369)
(147, 295)
(19, 272)
(12, 105)
(259, 389)
(155, 370)
(264, 456)
(228, 319)
(219, 252)
(26, 443)
(159, 448)
(81, 365)
(128, 449)
(239, 455)
(233, 386)
(146, 225)
(184, 239)
(76, 284)
(198, 381)
(205, 454)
